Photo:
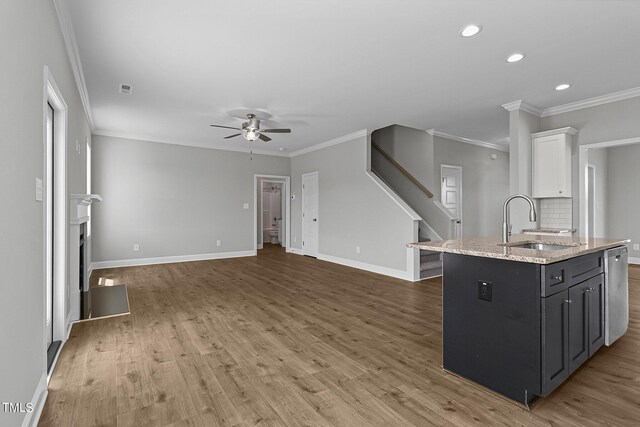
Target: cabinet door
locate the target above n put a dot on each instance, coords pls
(579, 324)
(596, 313)
(547, 155)
(555, 341)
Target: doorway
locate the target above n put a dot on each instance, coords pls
(451, 194)
(54, 218)
(310, 217)
(272, 207)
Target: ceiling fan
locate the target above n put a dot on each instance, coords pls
(251, 130)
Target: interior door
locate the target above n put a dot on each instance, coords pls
(451, 193)
(310, 214)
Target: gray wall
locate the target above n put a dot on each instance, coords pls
(173, 200)
(623, 195)
(30, 38)
(353, 210)
(607, 122)
(485, 184)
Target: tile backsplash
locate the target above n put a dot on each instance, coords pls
(556, 213)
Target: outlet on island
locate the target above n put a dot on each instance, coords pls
(485, 290)
(636, 247)
(218, 242)
(136, 247)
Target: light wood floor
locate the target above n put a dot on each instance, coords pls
(282, 339)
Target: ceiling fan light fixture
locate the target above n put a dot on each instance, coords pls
(250, 134)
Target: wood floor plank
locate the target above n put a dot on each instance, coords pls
(281, 339)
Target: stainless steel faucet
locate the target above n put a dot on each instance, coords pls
(506, 227)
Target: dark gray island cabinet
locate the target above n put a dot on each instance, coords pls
(521, 328)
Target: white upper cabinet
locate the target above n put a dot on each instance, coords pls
(551, 167)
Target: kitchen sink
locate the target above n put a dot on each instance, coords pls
(539, 246)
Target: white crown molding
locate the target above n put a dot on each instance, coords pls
(335, 141)
(479, 143)
(568, 130)
(239, 149)
(71, 44)
(522, 106)
(592, 102)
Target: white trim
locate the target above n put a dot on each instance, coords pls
(295, 251)
(335, 141)
(522, 106)
(52, 95)
(446, 211)
(633, 260)
(169, 259)
(477, 142)
(398, 274)
(583, 159)
(592, 102)
(71, 45)
(39, 398)
(392, 194)
(560, 131)
(286, 180)
(239, 148)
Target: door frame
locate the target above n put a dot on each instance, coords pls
(52, 95)
(588, 213)
(583, 160)
(258, 216)
(287, 220)
(459, 222)
(304, 227)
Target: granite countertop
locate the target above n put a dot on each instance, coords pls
(489, 247)
(550, 230)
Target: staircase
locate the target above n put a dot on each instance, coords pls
(430, 262)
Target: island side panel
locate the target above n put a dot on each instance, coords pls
(495, 343)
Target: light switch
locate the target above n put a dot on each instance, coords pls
(245, 206)
(38, 190)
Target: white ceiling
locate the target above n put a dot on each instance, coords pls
(329, 68)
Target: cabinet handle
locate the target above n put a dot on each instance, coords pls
(556, 277)
(568, 301)
(560, 191)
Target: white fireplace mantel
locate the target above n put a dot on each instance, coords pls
(79, 213)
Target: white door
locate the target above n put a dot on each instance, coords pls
(451, 194)
(310, 214)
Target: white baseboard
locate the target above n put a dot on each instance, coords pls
(170, 259)
(633, 260)
(39, 397)
(398, 274)
(295, 251)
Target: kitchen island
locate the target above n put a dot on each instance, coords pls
(520, 318)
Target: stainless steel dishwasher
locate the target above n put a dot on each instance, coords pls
(616, 275)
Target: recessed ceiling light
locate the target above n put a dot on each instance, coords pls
(470, 30)
(563, 86)
(515, 57)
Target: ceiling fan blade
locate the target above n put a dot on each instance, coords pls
(225, 127)
(265, 138)
(276, 130)
(232, 136)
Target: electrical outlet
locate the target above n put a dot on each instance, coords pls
(357, 249)
(636, 247)
(136, 247)
(218, 242)
(485, 290)
(245, 206)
